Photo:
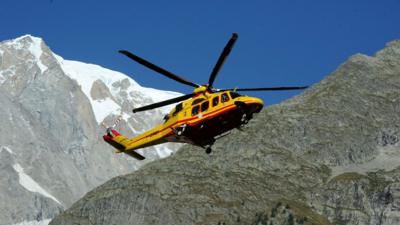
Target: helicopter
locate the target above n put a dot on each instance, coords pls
(199, 118)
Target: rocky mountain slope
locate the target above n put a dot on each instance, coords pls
(51, 150)
(328, 156)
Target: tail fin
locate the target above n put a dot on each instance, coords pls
(118, 141)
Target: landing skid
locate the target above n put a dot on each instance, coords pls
(208, 146)
(222, 135)
(208, 150)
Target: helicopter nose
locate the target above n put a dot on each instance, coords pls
(259, 101)
(259, 104)
(252, 104)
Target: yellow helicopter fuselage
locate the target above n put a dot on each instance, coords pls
(198, 121)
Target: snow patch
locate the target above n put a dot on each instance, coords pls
(103, 108)
(18, 39)
(7, 74)
(28, 183)
(132, 129)
(34, 222)
(388, 158)
(85, 74)
(126, 116)
(16, 43)
(36, 49)
(155, 96)
(163, 151)
(2, 79)
(58, 58)
(6, 149)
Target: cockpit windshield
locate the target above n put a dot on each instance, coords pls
(234, 94)
(178, 108)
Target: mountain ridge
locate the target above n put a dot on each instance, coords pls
(284, 168)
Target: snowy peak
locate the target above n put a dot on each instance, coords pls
(24, 42)
(26, 50)
(108, 90)
(33, 44)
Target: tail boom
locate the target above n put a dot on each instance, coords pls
(120, 142)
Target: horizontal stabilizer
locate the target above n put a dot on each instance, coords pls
(135, 155)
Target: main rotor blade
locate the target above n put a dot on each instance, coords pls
(222, 58)
(267, 89)
(157, 68)
(163, 103)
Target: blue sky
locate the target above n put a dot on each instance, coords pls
(280, 42)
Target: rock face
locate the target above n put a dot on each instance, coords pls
(51, 151)
(328, 156)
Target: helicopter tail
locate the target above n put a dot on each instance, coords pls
(119, 142)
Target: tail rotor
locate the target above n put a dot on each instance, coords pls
(109, 128)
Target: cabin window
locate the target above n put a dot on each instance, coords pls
(195, 110)
(198, 100)
(224, 97)
(178, 108)
(166, 117)
(204, 106)
(215, 101)
(234, 94)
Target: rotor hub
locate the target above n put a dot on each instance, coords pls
(200, 89)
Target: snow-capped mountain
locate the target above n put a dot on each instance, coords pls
(51, 151)
(121, 87)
